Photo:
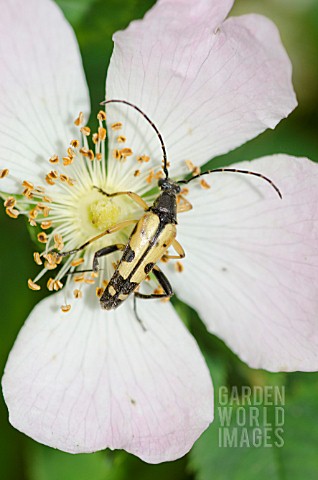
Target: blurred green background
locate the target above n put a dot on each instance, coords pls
(94, 22)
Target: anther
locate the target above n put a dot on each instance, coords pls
(204, 184)
(58, 242)
(42, 237)
(101, 133)
(121, 139)
(54, 159)
(4, 173)
(46, 224)
(143, 159)
(32, 285)
(37, 258)
(75, 143)
(101, 115)
(10, 202)
(50, 284)
(77, 262)
(179, 267)
(77, 293)
(99, 291)
(126, 152)
(116, 126)
(57, 285)
(12, 212)
(66, 308)
(79, 119)
(86, 131)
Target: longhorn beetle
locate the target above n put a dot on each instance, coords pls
(153, 234)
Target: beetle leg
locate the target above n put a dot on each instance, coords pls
(112, 229)
(178, 248)
(136, 198)
(185, 206)
(106, 251)
(100, 253)
(163, 282)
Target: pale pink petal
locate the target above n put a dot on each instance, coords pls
(92, 379)
(42, 88)
(208, 86)
(251, 269)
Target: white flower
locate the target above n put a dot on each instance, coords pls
(84, 379)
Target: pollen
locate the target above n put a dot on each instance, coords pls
(32, 285)
(116, 126)
(66, 308)
(4, 173)
(137, 173)
(121, 139)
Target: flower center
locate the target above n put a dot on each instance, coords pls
(103, 213)
(96, 213)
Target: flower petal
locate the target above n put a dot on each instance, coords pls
(91, 379)
(42, 88)
(208, 86)
(251, 269)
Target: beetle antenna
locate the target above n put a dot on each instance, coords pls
(165, 162)
(235, 170)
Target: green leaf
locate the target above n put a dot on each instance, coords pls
(290, 453)
(48, 464)
(75, 10)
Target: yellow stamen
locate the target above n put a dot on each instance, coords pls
(116, 126)
(46, 224)
(42, 237)
(37, 258)
(77, 262)
(32, 285)
(54, 159)
(101, 115)
(66, 308)
(79, 119)
(99, 291)
(204, 184)
(179, 267)
(77, 293)
(4, 173)
(10, 202)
